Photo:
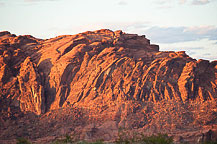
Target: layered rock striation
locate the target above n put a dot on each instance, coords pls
(100, 69)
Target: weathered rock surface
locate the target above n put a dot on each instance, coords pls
(114, 79)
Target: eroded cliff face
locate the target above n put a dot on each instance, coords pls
(31, 96)
(101, 70)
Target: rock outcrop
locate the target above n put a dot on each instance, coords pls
(31, 90)
(119, 77)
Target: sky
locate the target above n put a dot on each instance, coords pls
(175, 25)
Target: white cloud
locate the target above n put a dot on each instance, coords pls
(202, 49)
(193, 2)
(162, 2)
(122, 3)
(38, 0)
(2, 4)
(181, 34)
(201, 30)
(182, 1)
(200, 2)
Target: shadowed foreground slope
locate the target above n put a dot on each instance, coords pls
(94, 83)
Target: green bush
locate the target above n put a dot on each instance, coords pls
(22, 141)
(97, 142)
(72, 140)
(125, 138)
(158, 139)
(209, 142)
(65, 140)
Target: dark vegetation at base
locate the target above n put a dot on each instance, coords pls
(122, 139)
(22, 141)
(154, 139)
(127, 138)
(210, 142)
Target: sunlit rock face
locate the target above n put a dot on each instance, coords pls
(108, 72)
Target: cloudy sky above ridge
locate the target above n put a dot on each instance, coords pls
(177, 25)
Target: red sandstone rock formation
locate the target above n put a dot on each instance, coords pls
(120, 77)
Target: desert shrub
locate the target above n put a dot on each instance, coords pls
(209, 142)
(96, 142)
(72, 140)
(126, 138)
(22, 141)
(67, 139)
(158, 139)
(82, 142)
